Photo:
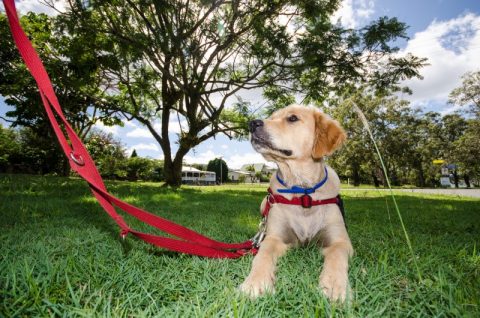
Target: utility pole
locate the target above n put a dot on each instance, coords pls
(221, 168)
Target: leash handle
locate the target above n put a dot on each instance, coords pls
(81, 162)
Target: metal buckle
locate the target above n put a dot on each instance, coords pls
(306, 201)
(123, 234)
(258, 238)
(78, 159)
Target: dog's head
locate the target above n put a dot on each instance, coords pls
(296, 132)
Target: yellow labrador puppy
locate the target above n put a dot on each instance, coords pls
(297, 138)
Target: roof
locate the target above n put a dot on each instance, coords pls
(247, 173)
(190, 169)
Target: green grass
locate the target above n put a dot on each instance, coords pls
(61, 255)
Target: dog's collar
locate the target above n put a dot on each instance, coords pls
(297, 189)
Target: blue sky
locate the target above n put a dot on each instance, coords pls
(447, 32)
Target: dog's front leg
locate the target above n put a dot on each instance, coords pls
(337, 251)
(262, 275)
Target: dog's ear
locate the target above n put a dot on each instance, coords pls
(329, 136)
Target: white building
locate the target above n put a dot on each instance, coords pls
(241, 176)
(192, 175)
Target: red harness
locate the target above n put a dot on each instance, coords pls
(305, 201)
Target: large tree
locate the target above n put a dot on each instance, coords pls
(185, 60)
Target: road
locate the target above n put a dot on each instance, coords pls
(474, 193)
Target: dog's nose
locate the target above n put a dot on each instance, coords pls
(254, 124)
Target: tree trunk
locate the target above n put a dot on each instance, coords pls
(172, 170)
(375, 179)
(356, 175)
(420, 176)
(467, 180)
(65, 167)
(455, 178)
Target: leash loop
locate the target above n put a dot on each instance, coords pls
(78, 159)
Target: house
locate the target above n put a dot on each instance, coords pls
(250, 173)
(191, 175)
(241, 176)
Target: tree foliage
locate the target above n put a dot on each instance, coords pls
(409, 140)
(219, 166)
(75, 65)
(469, 93)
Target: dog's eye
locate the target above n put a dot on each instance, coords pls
(292, 118)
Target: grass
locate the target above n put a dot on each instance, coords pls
(62, 255)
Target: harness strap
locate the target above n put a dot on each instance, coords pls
(189, 242)
(305, 201)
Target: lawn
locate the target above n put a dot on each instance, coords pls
(62, 255)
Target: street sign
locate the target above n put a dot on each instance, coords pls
(438, 161)
(452, 166)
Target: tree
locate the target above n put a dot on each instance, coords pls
(134, 154)
(73, 62)
(9, 148)
(467, 152)
(469, 93)
(109, 154)
(185, 60)
(219, 166)
(139, 168)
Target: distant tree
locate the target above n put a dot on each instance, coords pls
(469, 93)
(134, 154)
(467, 152)
(258, 176)
(139, 168)
(219, 166)
(108, 153)
(9, 148)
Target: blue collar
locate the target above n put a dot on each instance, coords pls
(297, 189)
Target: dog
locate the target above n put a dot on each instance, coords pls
(297, 138)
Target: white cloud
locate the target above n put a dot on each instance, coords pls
(174, 126)
(452, 48)
(203, 157)
(142, 132)
(236, 161)
(129, 123)
(144, 146)
(224, 146)
(108, 129)
(352, 13)
(139, 133)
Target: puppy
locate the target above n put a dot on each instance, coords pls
(297, 138)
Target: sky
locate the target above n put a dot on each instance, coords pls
(447, 32)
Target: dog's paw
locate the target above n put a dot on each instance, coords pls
(335, 286)
(254, 287)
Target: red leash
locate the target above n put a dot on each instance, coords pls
(189, 242)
